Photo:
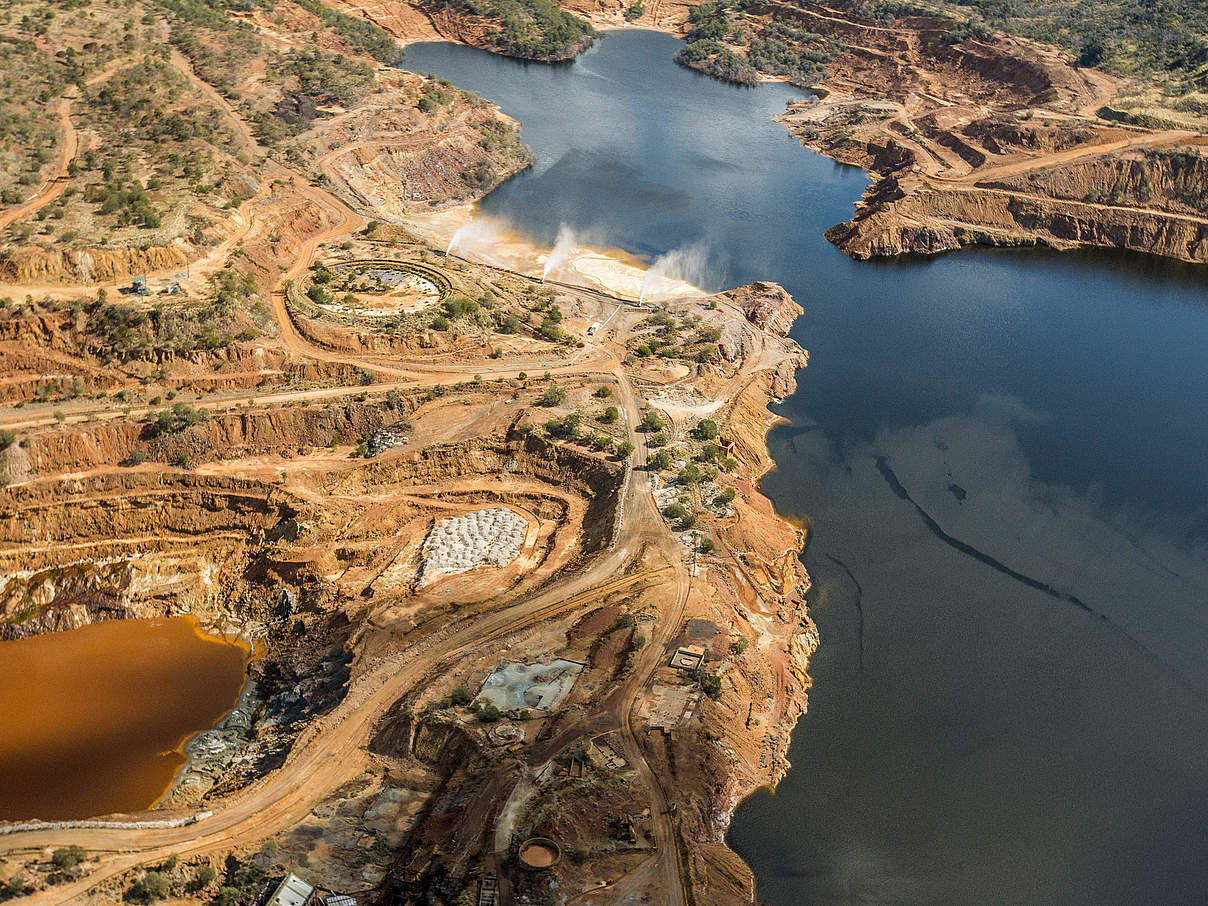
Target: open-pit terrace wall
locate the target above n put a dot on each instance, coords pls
(599, 481)
(37, 518)
(224, 435)
(128, 544)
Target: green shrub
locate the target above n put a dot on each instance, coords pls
(177, 419)
(659, 460)
(651, 422)
(150, 887)
(488, 713)
(708, 682)
(67, 857)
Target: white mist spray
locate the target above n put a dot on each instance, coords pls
(559, 255)
(477, 241)
(686, 264)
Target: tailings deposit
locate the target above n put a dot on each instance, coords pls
(92, 720)
(1003, 455)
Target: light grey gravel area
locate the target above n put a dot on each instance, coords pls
(462, 543)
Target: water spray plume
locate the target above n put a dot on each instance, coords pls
(687, 264)
(560, 254)
(477, 240)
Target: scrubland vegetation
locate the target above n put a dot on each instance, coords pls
(530, 29)
(724, 43)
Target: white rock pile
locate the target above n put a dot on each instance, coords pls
(462, 543)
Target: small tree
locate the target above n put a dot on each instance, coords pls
(553, 396)
(610, 415)
(227, 896)
(67, 857)
(625, 449)
(740, 644)
(6, 438)
(488, 713)
(651, 422)
(706, 429)
(459, 695)
(660, 460)
(675, 511)
(708, 682)
(150, 887)
(604, 393)
(15, 886)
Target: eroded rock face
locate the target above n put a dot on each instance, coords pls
(929, 222)
(768, 306)
(67, 597)
(39, 266)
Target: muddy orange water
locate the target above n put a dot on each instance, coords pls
(92, 721)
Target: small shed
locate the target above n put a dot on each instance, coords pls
(292, 891)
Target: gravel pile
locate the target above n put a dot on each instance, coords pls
(462, 543)
(385, 438)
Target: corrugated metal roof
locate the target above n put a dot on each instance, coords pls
(293, 891)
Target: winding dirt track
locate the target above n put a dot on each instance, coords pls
(330, 753)
(334, 750)
(1043, 161)
(52, 187)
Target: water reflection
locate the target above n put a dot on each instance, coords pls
(971, 737)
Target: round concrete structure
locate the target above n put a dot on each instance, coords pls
(539, 853)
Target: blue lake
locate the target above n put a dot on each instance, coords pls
(1005, 459)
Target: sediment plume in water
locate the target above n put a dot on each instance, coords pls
(92, 720)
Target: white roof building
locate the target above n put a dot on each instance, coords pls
(293, 891)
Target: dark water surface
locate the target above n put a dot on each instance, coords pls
(1005, 456)
(92, 720)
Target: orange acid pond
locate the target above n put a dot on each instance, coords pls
(93, 721)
